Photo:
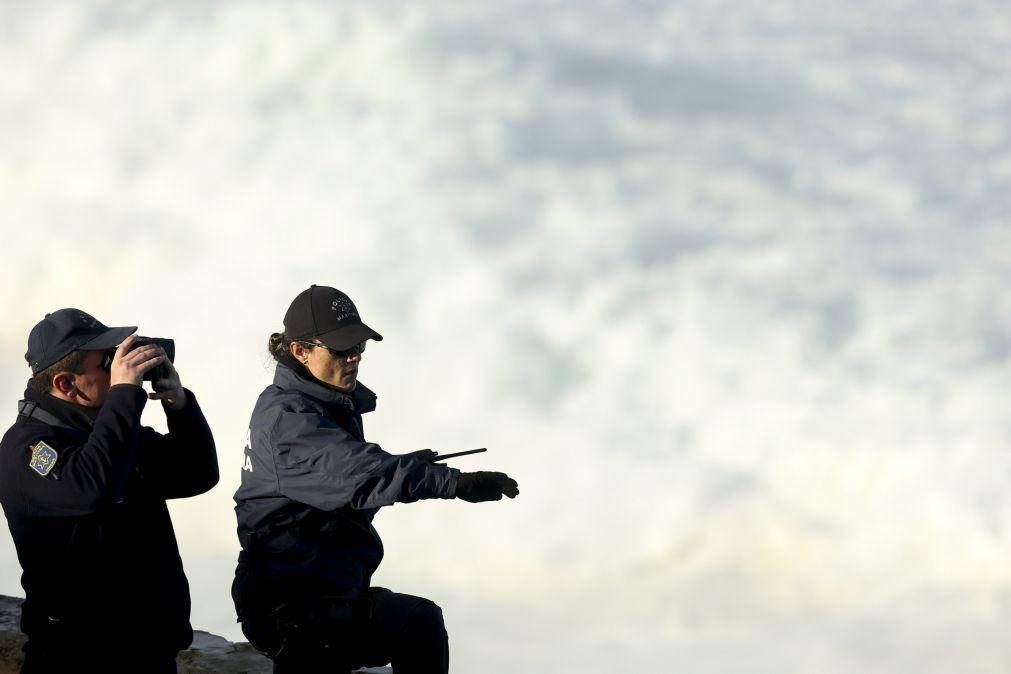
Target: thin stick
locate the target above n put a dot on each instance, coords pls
(442, 457)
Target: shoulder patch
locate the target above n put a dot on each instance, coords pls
(43, 459)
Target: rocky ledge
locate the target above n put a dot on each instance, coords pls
(209, 653)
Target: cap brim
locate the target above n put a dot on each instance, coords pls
(344, 338)
(108, 339)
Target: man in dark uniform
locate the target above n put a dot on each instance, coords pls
(83, 486)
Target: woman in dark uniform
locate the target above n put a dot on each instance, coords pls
(311, 486)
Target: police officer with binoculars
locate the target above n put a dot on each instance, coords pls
(83, 485)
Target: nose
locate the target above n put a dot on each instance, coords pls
(354, 357)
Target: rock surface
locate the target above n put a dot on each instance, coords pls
(209, 653)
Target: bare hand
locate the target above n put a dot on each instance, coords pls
(129, 365)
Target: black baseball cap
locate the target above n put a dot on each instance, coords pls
(68, 330)
(326, 314)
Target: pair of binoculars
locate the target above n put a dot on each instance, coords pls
(155, 373)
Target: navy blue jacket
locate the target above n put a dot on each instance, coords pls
(310, 487)
(91, 528)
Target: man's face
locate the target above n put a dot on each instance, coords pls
(91, 386)
(337, 370)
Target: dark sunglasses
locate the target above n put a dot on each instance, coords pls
(346, 353)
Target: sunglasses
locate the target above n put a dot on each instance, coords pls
(346, 353)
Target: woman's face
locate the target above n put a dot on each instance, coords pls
(340, 371)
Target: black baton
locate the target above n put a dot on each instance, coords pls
(450, 456)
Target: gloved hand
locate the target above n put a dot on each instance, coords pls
(169, 390)
(423, 455)
(485, 486)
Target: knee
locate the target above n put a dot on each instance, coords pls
(426, 618)
(263, 634)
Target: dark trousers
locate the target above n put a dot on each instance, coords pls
(395, 628)
(104, 655)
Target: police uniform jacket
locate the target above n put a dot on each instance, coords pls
(310, 488)
(86, 509)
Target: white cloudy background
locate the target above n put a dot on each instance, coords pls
(723, 285)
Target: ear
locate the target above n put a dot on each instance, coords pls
(299, 351)
(63, 382)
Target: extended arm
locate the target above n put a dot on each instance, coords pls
(322, 465)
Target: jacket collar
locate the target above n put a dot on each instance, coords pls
(79, 417)
(361, 400)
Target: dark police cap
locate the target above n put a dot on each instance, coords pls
(68, 330)
(328, 315)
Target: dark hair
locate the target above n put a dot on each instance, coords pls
(72, 362)
(279, 345)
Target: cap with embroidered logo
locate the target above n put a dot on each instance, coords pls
(68, 330)
(327, 314)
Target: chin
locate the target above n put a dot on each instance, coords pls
(345, 386)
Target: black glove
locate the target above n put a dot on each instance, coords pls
(423, 455)
(485, 486)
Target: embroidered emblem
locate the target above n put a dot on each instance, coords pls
(86, 320)
(43, 459)
(343, 307)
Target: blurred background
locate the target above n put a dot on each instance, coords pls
(722, 284)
